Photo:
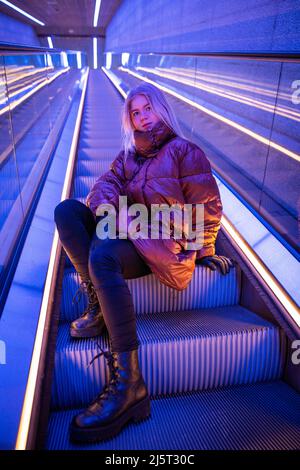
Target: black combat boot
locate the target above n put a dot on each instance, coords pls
(91, 322)
(124, 398)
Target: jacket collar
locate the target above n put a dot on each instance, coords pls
(148, 143)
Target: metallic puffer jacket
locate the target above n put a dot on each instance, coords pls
(164, 169)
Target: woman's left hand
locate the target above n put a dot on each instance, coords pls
(217, 262)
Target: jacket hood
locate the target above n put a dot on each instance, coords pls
(148, 143)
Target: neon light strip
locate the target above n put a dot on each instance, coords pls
(230, 81)
(95, 53)
(11, 5)
(96, 13)
(108, 61)
(25, 97)
(17, 78)
(32, 378)
(78, 56)
(233, 96)
(28, 86)
(267, 276)
(50, 43)
(231, 123)
(12, 70)
(49, 62)
(64, 59)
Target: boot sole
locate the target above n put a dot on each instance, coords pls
(136, 413)
(87, 332)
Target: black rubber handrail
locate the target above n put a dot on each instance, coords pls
(284, 56)
(271, 56)
(20, 49)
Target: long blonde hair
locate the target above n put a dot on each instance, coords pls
(160, 107)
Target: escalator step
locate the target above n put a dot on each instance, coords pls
(92, 168)
(180, 351)
(262, 416)
(83, 185)
(98, 142)
(91, 153)
(207, 289)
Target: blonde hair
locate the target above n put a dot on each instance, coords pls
(160, 107)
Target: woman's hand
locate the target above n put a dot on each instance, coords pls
(221, 262)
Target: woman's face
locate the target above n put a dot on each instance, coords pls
(142, 116)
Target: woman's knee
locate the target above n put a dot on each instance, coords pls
(67, 208)
(101, 260)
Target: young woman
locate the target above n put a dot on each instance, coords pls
(157, 165)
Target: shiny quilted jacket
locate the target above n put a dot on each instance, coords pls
(164, 169)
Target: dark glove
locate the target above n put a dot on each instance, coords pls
(221, 262)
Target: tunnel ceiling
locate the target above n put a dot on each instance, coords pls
(64, 17)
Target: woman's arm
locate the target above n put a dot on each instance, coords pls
(108, 187)
(199, 187)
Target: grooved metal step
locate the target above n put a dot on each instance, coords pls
(207, 289)
(88, 153)
(93, 168)
(83, 184)
(179, 351)
(262, 416)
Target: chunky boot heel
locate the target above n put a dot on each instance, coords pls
(142, 411)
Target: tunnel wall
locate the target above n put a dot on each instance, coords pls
(205, 26)
(78, 44)
(16, 32)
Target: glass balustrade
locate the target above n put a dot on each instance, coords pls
(245, 114)
(36, 91)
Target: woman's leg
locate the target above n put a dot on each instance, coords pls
(76, 225)
(125, 397)
(111, 261)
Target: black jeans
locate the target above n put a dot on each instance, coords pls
(107, 263)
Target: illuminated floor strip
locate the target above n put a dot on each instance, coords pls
(274, 263)
(31, 383)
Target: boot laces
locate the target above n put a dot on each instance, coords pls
(110, 387)
(86, 287)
